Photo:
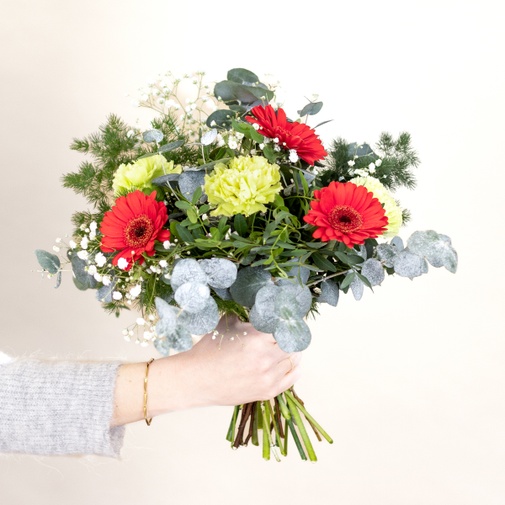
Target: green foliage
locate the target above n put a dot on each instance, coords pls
(394, 170)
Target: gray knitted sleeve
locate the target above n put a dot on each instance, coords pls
(54, 407)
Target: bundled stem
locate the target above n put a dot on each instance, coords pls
(277, 419)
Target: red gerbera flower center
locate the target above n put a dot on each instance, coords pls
(345, 219)
(138, 231)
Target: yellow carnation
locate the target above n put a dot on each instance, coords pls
(391, 208)
(242, 187)
(138, 175)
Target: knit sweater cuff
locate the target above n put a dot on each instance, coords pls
(58, 407)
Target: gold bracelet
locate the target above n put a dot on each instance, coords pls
(146, 419)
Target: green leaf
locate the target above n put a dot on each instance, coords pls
(323, 263)
(292, 335)
(240, 224)
(48, 261)
(348, 279)
(184, 234)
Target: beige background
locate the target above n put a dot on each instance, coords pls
(409, 381)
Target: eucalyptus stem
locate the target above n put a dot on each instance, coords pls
(301, 428)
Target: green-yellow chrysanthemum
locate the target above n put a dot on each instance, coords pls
(138, 175)
(243, 186)
(391, 208)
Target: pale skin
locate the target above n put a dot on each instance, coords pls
(231, 369)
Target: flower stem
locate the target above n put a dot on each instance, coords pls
(312, 421)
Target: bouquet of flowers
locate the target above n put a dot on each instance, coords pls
(227, 206)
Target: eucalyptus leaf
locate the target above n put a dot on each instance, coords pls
(221, 118)
(168, 314)
(373, 270)
(249, 281)
(294, 295)
(221, 273)
(386, 254)
(242, 76)
(204, 321)
(357, 288)
(187, 270)
(224, 294)
(164, 180)
(329, 292)
(165, 148)
(153, 136)
(209, 137)
(192, 296)
(360, 150)
(292, 335)
(82, 279)
(58, 280)
(104, 294)
(162, 345)
(301, 273)
(190, 181)
(263, 315)
(408, 264)
(436, 248)
(311, 109)
(397, 243)
(48, 261)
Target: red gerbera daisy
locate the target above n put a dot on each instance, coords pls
(347, 213)
(297, 136)
(132, 226)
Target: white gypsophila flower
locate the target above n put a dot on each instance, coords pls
(100, 259)
(58, 240)
(256, 126)
(163, 263)
(360, 172)
(371, 166)
(378, 162)
(93, 226)
(56, 248)
(116, 295)
(84, 242)
(72, 244)
(293, 156)
(92, 235)
(232, 143)
(98, 277)
(351, 163)
(106, 280)
(148, 335)
(262, 146)
(122, 263)
(140, 321)
(83, 255)
(92, 270)
(166, 244)
(135, 291)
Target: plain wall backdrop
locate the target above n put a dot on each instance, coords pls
(408, 381)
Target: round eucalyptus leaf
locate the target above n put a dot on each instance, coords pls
(249, 281)
(292, 335)
(408, 264)
(199, 323)
(242, 76)
(82, 279)
(209, 137)
(221, 273)
(192, 296)
(329, 293)
(190, 181)
(48, 261)
(373, 270)
(187, 270)
(437, 249)
(357, 288)
(153, 136)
